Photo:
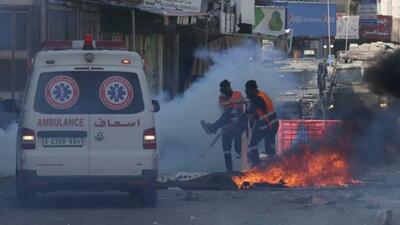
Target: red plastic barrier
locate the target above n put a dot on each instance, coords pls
(292, 132)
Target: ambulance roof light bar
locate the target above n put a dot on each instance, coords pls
(56, 45)
(87, 44)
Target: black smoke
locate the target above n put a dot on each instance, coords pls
(383, 77)
(376, 138)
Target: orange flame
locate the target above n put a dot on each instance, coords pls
(322, 168)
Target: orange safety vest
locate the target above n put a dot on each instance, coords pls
(234, 102)
(269, 117)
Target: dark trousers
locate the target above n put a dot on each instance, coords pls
(269, 141)
(223, 120)
(231, 135)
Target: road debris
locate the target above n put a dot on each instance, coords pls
(198, 181)
(180, 176)
(311, 200)
(386, 218)
(190, 196)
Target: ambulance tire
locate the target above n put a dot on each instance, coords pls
(148, 197)
(25, 196)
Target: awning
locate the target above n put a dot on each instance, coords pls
(170, 12)
(113, 3)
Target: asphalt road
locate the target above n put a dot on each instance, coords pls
(353, 205)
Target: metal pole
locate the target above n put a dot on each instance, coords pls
(223, 15)
(347, 24)
(230, 16)
(47, 20)
(43, 19)
(78, 21)
(206, 34)
(134, 29)
(13, 36)
(329, 27)
(244, 166)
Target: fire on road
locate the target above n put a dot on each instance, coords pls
(304, 168)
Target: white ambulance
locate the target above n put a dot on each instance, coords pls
(87, 122)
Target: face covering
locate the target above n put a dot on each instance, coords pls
(227, 92)
(250, 93)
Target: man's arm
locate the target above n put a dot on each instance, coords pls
(242, 103)
(221, 104)
(257, 103)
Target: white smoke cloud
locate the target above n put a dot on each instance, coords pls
(7, 150)
(181, 138)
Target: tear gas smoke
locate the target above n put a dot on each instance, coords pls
(375, 135)
(383, 77)
(7, 150)
(376, 140)
(181, 138)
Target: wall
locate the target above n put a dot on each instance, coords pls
(396, 30)
(385, 7)
(89, 21)
(396, 8)
(150, 47)
(19, 40)
(16, 2)
(171, 64)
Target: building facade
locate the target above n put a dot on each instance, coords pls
(19, 40)
(165, 38)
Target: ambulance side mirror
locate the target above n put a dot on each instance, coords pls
(156, 106)
(10, 106)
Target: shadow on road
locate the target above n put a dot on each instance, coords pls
(83, 200)
(59, 200)
(67, 199)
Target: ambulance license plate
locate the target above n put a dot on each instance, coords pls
(62, 142)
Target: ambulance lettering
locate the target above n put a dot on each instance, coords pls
(60, 122)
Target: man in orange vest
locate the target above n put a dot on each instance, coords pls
(264, 120)
(231, 105)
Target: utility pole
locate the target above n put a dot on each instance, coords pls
(329, 27)
(347, 24)
(206, 33)
(133, 15)
(223, 30)
(78, 23)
